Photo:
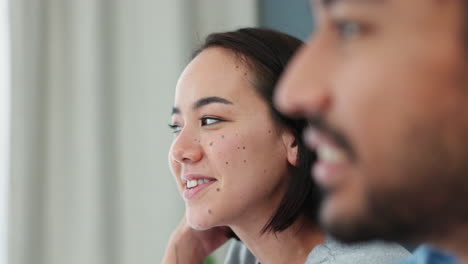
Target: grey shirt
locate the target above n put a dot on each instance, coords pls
(332, 252)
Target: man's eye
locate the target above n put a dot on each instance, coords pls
(206, 121)
(348, 30)
(175, 128)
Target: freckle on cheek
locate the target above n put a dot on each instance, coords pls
(217, 189)
(243, 147)
(227, 163)
(222, 136)
(211, 143)
(209, 211)
(245, 161)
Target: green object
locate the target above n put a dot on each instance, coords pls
(209, 260)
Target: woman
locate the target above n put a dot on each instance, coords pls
(242, 167)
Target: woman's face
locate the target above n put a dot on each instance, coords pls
(228, 156)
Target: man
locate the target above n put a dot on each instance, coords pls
(384, 84)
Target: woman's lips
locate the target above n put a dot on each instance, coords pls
(190, 193)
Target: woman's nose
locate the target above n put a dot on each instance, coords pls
(186, 148)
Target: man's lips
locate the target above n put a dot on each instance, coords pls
(332, 160)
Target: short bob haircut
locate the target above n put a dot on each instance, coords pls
(266, 52)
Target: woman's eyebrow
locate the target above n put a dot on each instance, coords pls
(210, 100)
(202, 102)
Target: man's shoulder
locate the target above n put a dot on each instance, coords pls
(426, 254)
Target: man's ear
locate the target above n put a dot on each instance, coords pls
(290, 143)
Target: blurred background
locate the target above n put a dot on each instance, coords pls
(86, 88)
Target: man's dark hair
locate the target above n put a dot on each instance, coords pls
(266, 52)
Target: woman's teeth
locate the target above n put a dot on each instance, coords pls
(194, 183)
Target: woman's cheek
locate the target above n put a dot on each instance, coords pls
(228, 150)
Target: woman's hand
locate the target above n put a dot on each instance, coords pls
(189, 246)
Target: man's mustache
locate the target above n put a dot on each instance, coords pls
(321, 125)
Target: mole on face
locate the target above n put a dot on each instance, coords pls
(245, 161)
(209, 211)
(269, 131)
(243, 147)
(217, 189)
(222, 136)
(211, 143)
(227, 163)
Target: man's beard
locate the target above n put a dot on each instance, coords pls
(426, 192)
(410, 215)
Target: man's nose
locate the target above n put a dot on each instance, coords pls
(304, 88)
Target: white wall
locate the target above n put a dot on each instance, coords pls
(150, 49)
(4, 127)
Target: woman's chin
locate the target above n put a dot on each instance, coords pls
(199, 225)
(200, 222)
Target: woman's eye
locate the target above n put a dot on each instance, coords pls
(175, 128)
(206, 121)
(348, 30)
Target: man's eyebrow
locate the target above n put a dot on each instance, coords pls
(327, 3)
(330, 3)
(202, 102)
(210, 100)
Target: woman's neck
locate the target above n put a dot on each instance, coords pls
(292, 245)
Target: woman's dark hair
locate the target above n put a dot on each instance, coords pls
(266, 52)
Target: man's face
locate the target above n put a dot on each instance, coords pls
(384, 84)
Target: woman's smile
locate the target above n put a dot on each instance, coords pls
(194, 184)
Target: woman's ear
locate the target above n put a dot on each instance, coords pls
(290, 143)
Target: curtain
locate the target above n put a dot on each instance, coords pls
(92, 88)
